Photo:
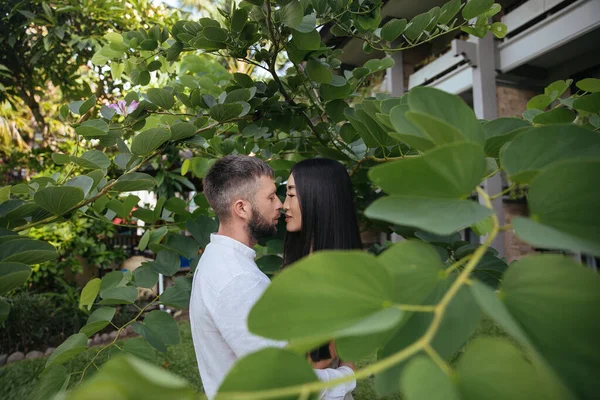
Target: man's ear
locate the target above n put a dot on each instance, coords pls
(241, 209)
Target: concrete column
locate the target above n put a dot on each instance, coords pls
(395, 76)
(486, 107)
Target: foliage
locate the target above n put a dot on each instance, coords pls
(40, 320)
(425, 153)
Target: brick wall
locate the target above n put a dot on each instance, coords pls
(512, 101)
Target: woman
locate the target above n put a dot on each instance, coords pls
(319, 215)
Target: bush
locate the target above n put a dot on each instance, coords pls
(39, 320)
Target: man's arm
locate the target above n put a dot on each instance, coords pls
(231, 317)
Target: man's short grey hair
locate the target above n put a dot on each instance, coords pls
(231, 178)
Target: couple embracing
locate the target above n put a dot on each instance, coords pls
(319, 215)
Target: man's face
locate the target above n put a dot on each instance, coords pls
(265, 209)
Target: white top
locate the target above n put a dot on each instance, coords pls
(227, 283)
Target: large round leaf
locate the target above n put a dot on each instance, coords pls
(182, 130)
(167, 263)
(439, 131)
(58, 200)
(555, 300)
(50, 383)
(161, 97)
(423, 380)
(27, 251)
(92, 128)
(406, 131)
(318, 71)
(392, 29)
(500, 131)
(128, 377)
(437, 215)
(120, 295)
(474, 8)
(13, 275)
(82, 182)
(509, 377)
(449, 108)
(567, 218)
(163, 326)
(346, 288)
(89, 293)
(134, 181)
(98, 320)
(92, 159)
(74, 345)
(225, 112)
(450, 171)
(535, 149)
(256, 371)
(147, 141)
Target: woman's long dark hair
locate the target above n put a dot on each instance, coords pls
(329, 220)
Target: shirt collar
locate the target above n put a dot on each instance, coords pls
(229, 242)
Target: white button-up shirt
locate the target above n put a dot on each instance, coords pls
(227, 283)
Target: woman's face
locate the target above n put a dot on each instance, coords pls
(293, 216)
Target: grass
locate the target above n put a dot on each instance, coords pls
(18, 380)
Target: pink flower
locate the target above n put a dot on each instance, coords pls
(123, 109)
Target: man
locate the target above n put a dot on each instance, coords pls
(227, 281)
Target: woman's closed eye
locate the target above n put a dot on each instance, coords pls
(290, 195)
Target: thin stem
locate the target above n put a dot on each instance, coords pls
(414, 308)
(505, 228)
(438, 359)
(457, 264)
(502, 193)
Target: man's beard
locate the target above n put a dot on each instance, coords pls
(259, 226)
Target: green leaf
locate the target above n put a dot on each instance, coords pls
(215, 34)
(329, 92)
(27, 251)
(167, 263)
(480, 378)
(589, 103)
(112, 280)
(392, 29)
(449, 11)
(439, 131)
(145, 276)
(163, 326)
(82, 182)
(422, 379)
(4, 193)
(177, 295)
(318, 71)
(149, 140)
(161, 97)
(291, 14)
(449, 108)
(539, 102)
(529, 115)
(345, 284)
(538, 148)
(13, 275)
(407, 132)
(176, 205)
(450, 171)
(306, 41)
(89, 294)
(148, 44)
(51, 382)
(87, 105)
(58, 200)
(554, 301)
(255, 372)
(415, 267)
(225, 112)
(92, 128)
(238, 95)
(201, 228)
(98, 320)
(555, 116)
(140, 348)
(308, 24)
(92, 159)
(239, 18)
(134, 181)
(475, 8)
(335, 110)
(74, 345)
(182, 130)
(416, 26)
(243, 80)
(557, 88)
(501, 131)
(499, 30)
(591, 85)
(131, 378)
(442, 216)
(566, 218)
(119, 295)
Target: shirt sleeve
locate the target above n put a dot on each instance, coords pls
(231, 318)
(337, 392)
